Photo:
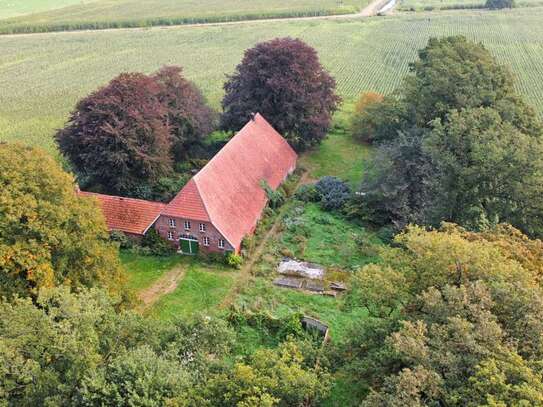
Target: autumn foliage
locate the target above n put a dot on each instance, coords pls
(125, 135)
(48, 235)
(284, 81)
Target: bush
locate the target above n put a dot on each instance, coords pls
(275, 198)
(156, 244)
(307, 193)
(334, 193)
(233, 260)
(121, 239)
(499, 4)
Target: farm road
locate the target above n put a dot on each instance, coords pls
(370, 10)
(165, 285)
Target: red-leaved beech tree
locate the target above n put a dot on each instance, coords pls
(284, 81)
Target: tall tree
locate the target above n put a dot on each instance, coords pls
(48, 235)
(118, 137)
(458, 145)
(284, 81)
(189, 118)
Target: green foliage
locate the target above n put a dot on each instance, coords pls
(49, 236)
(469, 153)
(75, 349)
(307, 193)
(156, 245)
(276, 198)
(455, 293)
(271, 378)
(233, 260)
(121, 239)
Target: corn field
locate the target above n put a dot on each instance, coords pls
(42, 76)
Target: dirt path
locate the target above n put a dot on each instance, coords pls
(370, 10)
(245, 272)
(164, 285)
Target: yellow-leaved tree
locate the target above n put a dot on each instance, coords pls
(48, 235)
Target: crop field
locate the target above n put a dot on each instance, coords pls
(428, 5)
(16, 8)
(100, 14)
(43, 75)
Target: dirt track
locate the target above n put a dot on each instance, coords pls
(368, 11)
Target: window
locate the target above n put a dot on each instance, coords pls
(187, 225)
(221, 243)
(171, 222)
(202, 227)
(206, 241)
(170, 235)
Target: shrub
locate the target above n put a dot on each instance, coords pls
(307, 193)
(334, 193)
(121, 239)
(233, 260)
(275, 198)
(499, 4)
(156, 244)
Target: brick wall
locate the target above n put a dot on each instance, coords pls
(162, 226)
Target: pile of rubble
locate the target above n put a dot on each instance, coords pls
(301, 275)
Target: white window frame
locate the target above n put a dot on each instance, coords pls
(206, 241)
(202, 227)
(170, 235)
(187, 224)
(171, 222)
(221, 243)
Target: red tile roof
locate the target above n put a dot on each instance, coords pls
(227, 191)
(127, 214)
(187, 204)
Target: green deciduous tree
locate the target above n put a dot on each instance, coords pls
(48, 235)
(460, 146)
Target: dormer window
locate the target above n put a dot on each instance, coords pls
(202, 227)
(171, 222)
(187, 225)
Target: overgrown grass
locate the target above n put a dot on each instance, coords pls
(105, 14)
(329, 239)
(339, 155)
(200, 291)
(143, 271)
(43, 76)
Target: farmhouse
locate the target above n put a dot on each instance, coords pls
(221, 204)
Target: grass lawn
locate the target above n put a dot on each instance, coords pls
(143, 271)
(202, 289)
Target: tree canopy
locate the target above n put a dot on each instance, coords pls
(456, 143)
(125, 136)
(454, 320)
(284, 81)
(48, 235)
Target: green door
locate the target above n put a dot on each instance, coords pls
(185, 245)
(188, 245)
(194, 246)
